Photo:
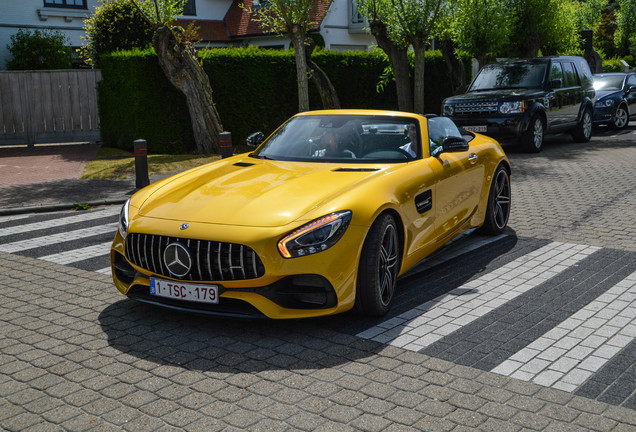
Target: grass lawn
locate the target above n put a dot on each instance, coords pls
(112, 163)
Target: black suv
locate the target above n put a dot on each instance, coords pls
(523, 99)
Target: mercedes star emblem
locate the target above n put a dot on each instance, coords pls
(177, 259)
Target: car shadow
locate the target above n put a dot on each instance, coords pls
(205, 343)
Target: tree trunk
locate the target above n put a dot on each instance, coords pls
(418, 79)
(399, 61)
(298, 40)
(327, 91)
(455, 67)
(185, 72)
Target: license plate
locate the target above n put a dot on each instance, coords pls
(476, 128)
(184, 291)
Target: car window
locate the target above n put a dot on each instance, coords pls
(570, 77)
(556, 72)
(509, 75)
(608, 82)
(440, 128)
(344, 138)
(631, 81)
(585, 73)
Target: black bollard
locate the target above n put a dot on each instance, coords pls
(141, 164)
(226, 144)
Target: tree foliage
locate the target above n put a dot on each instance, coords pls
(116, 25)
(625, 36)
(37, 50)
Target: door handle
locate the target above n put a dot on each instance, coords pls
(472, 158)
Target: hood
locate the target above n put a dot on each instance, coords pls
(252, 192)
(606, 94)
(490, 94)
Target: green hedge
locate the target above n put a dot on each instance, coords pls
(254, 89)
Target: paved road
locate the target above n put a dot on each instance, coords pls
(532, 330)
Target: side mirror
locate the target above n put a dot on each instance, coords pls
(454, 145)
(632, 89)
(556, 83)
(255, 139)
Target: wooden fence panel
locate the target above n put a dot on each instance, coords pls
(49, 106)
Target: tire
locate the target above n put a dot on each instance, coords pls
(620, 119)
(532, 140)
(379, 265)
(583, 131)
(499, 200)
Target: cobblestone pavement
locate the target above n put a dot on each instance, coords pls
(76, 355)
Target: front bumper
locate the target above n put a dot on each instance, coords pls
(309, 286)
(500, 127)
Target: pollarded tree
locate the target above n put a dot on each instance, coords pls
(295, 19)
(379, 13)
(413, 22)
(178, 61)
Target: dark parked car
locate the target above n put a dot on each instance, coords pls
(615, 99)
(526, 98)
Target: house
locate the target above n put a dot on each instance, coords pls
(221, 23)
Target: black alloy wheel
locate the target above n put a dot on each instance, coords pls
(378, 269)
(499, 201)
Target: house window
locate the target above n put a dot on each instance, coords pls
(75, 4)
(356, 17)
(190, 8)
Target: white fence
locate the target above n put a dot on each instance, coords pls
(48, 106)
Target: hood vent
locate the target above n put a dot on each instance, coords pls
(356, 169)
(243, 164)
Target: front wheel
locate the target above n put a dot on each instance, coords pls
(532, 139)
(499, 200)
(620, 118)
(378, 269)
(583, 131)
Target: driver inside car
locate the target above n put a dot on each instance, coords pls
(333, 146)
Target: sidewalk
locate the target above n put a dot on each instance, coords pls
(47, 178)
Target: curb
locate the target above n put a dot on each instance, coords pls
(57, 207)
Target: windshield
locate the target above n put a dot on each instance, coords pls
(344, 138)
(509, 76)
(608, 82)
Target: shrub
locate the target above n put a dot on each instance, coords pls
(40, 49)
(253, 89)
(116, 25)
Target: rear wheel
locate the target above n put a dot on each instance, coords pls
(620, 118)
(499, 200)
(378, 269)
(532, 139)
(583, 131)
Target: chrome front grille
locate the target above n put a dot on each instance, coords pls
(210, 261)
(481, 107)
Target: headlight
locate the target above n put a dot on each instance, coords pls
(449, 110)
(123, 219)
(316, 236)
(511, 107)
(604, 103)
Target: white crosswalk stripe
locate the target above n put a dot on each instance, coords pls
(37, 242)
(573, 351)
(52, 223)
(430, 322)
(80, 254)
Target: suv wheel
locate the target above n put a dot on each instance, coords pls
(532, 139)
(583, 131)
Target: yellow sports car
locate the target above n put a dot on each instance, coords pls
(321, 218)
